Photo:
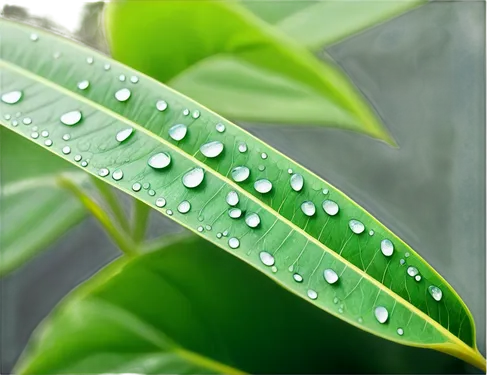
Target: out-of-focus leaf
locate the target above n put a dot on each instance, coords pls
(222, 55)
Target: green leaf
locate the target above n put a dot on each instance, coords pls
(191, 308)
(315, 24)
(308, 245)
(222, 55)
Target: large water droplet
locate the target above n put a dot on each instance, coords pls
(381, 314)
(136, 186)
(412, 271)
(160, 202)
(266, 258)
(234, 213)
(123, 95)
(71, 118)
(387, 247)
(240, 174)
(83, 85)
(297, 182)
(263, 186)
(242, 147)
(160, 160)
(233, 243)
(312, 294)
(184, 207)
(308, 208)
(330, 276)
(161, 105)
(232, 198)
(220, 127)
(211, 149)
(103, 172)
(12, 97)
(178, 132)
(356, 226)
(330, 207)
(436, 293)
(117, 175)
(252, 220)
(298, 278)
(193, 178)
(124, 134)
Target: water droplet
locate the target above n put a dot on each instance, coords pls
(252, 220)
(308, 208)
(185, 112)
(103, 172)
(12, 97)
(90, 60)
(402, 261)
(212, 149)
(34, 135)
(159, 161)
(200, 229)
(66, 150)
(242, 147)
(178, 132)
(234, 213)
(146, 185)
(371, 232)
(14, 123)
(83, 85)
(330, 207)
(387, 247)
(266, 258)
(45, 134)
(263, 155)
(240, 174)
(184, 207)
(84, 163)
(151, 192)
(71, 118)
(381, 314)
(6, 116)
(196, 114)
(335, 300)
(48, 142)
(117, 175)
(56, 55)
(136, 186)
(123, 95)
(134, 79)
(291, 268)
(225, 233)
(297, 182)
(161, 105)
(407, 254)
(290, 171)
(107, 66)
(27, 121)
(232, 198)
(170, 212)
(412, 271)
(78, 158)
(436, 293)
(219, 235)
(66, 137)
(356, 226)
(263, 186)
(161, 202)
(208, 227)
(400, 331)
(325, 191)
(312, 294)
(34, 128)
(298, 278)
(220, 127)
(360, 320)
(233, 243)
(122, 77)
(34, 37)
(274, 269)
(124, 134)
(330, 276)
(418, 278)
(193, 178)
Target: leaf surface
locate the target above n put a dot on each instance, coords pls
(300, 240)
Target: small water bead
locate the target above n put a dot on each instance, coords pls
(12, 97)
(240, 174)
(78, 158)
(161, 105)
(71, 118)
(208, 227)
(123, 95)
(308, 208)
(402, 261)
(107, 66)
(136, 186)
(356, 226)
(335, 300)
(436, 293)
(178, 132)
(34, 128)
(45, 134)
(266, 258)
(160, 160)
(219, 235)
(48, 142)
(407, 254)
(6, 116)
(161, 202)
(297, 182)
(185, 112)
(371, 232)
(66, 137)
(56, 55)
(225, 233)
(83, 85)
(220, 127)
(400, 331)
(234, 213)
(252, 220)
(325, 191)
(103, 172)
(418, 278)
(184, 207)
(66, 150)
(381, 314)
(298, 278)
(387, 247)
(263, 155)
(27, 121)
(212, 149)
(117, 175)
(262, 168)
(34, 135)
(134, 79)
(242, 147)
(330, 207)
(193, 178)
(14, 123)
(312, 294)
(290, 171)
(330, 276)
(290, 269)
(196, 114)
(200, 229)
(122, 77)
(263, 186)
(34, 37)
(151, 192)
(84, 163)
(274, 269)
(232, 198)
(90, 60)
(124, 134)
(412, 271)
(170, 212)
(233, 243)
(146, 185)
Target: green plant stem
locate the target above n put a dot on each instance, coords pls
(124, 243)
(139, 221)
(112, 201)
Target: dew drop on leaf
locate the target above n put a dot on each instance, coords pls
(27, 121)
(330, 207)
(298, 278)
(66, 137)
(325, 191)
(34, 135)
(233, 243)
(387, 247)
(45, 134)
(400, 331)
(297, 182)
(122, 77)
(193, 178)
(159, 161)
(232, 198)
(124, 134)
(178, 132)
(263, 186)
(134, 79)
(48, 142)
(412, 271)
(71, 118)
(66, 150)
(240, 174)
(266, 258)
(436, 293)
(12, 97)
(308, 208)
(170, 212)
(312, 294)
(34, 37)
(103, 172)
(90, 60)
(196, 114)
(117, 175)
(356, 226)
(381, 314)
(371, 232)
(418, 278)
(160, 202)
(242, 147)
(252, 220)
(234, 213)
(212, 149)
(200, 229)
(263, 155)
(185, 112)
(136, 186)
(330, 276)
(107, 66)
(123, 95)
(220, 127)
(83, 85)
(161, 105)
(151, 192)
